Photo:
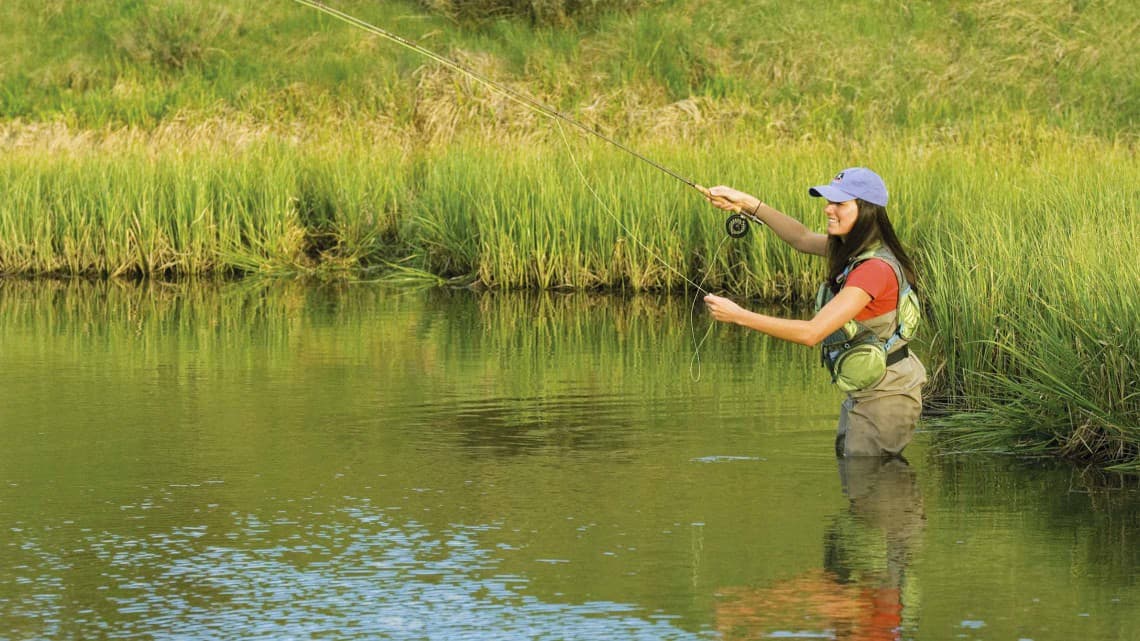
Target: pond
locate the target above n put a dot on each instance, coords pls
(307, 461)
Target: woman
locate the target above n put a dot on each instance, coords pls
(866, 263)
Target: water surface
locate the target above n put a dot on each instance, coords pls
(349, 462)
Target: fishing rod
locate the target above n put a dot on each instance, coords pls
(736, 224)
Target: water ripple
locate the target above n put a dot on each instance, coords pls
(362, 577)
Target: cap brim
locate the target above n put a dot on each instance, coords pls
(833, 194)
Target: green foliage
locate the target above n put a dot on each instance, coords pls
(776, 70)
(174, 34)
(1023, 244)
(538, 12)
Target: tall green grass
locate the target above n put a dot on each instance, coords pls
(1025, 246)
(139, 215)
(121, 208)
(511, 215)
(1045, 352)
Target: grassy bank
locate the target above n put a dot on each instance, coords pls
(1024, 246)
(772, 69)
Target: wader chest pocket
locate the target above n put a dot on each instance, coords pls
(855, 357)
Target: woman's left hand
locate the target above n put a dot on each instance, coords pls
(723, 309)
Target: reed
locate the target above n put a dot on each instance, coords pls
(1023, 245)
(135, 214)
(1033, 306)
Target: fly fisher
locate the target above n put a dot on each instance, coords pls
(866, 311)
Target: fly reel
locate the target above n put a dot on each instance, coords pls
(736, 225)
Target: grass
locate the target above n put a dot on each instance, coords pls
(1024, 246)
(773, 70)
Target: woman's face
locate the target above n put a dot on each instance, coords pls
(841, 217)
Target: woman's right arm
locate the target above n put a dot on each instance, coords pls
(789, 229)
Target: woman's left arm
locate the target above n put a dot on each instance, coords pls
(846, 304)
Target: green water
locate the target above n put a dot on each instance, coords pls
(296, 461)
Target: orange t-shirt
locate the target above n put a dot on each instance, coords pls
(876, 277)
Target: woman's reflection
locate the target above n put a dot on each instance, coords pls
(858, 593)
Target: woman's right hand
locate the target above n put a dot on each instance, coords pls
(727, 198)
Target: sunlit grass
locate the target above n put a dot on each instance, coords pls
(770, 71)
(1024, 246)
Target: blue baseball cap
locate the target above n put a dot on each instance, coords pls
(851, 183)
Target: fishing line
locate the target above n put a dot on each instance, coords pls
(695, 362)
(606, 208)
(733, 223)
(741, 215)
(474, 75)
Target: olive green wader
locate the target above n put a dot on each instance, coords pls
(880, 420)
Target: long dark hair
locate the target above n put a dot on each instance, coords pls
(871, 226)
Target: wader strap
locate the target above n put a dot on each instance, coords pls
(897, 355)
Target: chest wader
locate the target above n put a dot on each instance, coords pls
(870, 361)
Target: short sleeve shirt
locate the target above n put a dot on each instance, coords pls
(876, 277)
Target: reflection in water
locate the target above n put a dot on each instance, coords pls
(858, 593)
(528, 425)
(276, 460)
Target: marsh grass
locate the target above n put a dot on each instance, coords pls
(1024, 246)
(174, 35)
(136, 215)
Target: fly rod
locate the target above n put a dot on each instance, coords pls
(737, 225)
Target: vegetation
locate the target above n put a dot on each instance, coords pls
(539, 12)
(676, 69)
(179, 138)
